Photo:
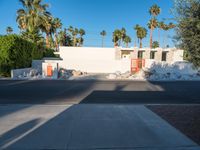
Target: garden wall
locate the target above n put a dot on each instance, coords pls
(16, 73)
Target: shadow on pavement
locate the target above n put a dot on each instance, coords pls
(137, 97)
(16, 132)
(53, 134)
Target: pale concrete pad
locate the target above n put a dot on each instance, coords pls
(87, 126)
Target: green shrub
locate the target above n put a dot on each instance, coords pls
(48, 53)
(15, 52)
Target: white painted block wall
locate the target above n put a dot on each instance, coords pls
(178, 55)
(92, 60)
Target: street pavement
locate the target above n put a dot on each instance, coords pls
(101, 92)
(91, 115)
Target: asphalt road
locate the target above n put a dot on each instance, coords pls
(98, 92)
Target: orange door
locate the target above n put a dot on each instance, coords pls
(134, 65)
(49, 71)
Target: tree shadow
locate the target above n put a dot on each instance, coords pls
(137, 97)
(53, 134)
(16, 132)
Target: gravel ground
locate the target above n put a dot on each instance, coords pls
(185, 118)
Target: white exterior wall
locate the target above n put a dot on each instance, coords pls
(178, 55)
(107, 60)
(92, 60)
(54, 69)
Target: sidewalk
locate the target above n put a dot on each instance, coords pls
(87, 126)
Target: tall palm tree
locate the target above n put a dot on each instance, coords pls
(116, 37)
(64, 39)
(103, 34)
(119, 36)
(155, 44)
(127, 40)
(9, 30)
(48, 28)
(123, 35)
(152, 25)
(81, 40)
(70, 29)
(56, 24)
(160, 27)
(137, 27)
(31, 16)
(74, 34)
(166, 28)
(154, 12)
(141, 33)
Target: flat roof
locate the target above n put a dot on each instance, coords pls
(51, 58)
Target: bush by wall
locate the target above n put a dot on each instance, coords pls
(15, 52)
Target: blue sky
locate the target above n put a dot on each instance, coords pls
(94, 16)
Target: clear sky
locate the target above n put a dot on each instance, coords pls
(94, 16)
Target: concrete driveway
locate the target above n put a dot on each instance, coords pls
(91, 115)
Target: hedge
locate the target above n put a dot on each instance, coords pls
(16, 52)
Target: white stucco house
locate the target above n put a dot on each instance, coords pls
(109, 60)
(101, 60)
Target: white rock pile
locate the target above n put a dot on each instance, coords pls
(162, 72)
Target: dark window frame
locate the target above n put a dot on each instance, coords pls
(164, 56)
(152, 54)
(140, 54)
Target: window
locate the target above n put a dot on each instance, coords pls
(164, 56)
(152, 55)
(140, 54)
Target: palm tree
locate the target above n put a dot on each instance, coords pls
(32, 15)
(77, 41)
(160, 27)
(116, 37)
(47, 28)
(141, 33)
(137, 26)
(9, 30)
(171, 25)
(166, 28)
(74, 34)
(103, 34)
(154, 11)
(64, 39)
(33, 18)
(152, 25)
(81, 33)
(56, 25)
(155, 44)
(119, 36)
(123, 35)
(70, 29)
(127, 40)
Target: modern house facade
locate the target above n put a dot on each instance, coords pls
(101, 60)
(109, 60)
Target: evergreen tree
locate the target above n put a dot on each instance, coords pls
(187, 13)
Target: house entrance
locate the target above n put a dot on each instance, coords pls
(137, 65)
